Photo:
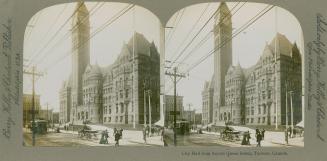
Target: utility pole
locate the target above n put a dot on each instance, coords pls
(231, 111)
(174, 75)
(47, 113)
(286, 108)
(149, 95)
(33, 73)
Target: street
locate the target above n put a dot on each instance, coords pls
(135, 138)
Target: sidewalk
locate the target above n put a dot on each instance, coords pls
(272, 139)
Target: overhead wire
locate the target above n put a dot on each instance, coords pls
(199, 31)
(101, 28)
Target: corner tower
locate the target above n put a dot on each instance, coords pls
(223, 54)
(80, 51)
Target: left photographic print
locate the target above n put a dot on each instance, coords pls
(92, 76)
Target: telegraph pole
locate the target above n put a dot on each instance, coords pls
(149, 95)
(175, 75)
(286, 108)
(47, 113)
(33, 73)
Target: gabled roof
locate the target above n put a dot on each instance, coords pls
(93, 70)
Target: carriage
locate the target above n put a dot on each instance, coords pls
(229, 134)
(87, 132)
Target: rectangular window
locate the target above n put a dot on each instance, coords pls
(121, 94)
(263, 119)
(121, 108)
(252, 120)
(269, 94)
(121, 119)
(259, 110)
(116, 120)
(126, 93)
(259, 120)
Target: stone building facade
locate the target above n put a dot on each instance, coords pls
(207, 103)
(65, 102)
(112, 94)
(260, 95)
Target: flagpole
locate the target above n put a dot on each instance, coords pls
(133, 106)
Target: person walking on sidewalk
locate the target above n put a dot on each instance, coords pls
(144, 135)
(286, 136)
(263, 134)
(117, 137)
(259, 138)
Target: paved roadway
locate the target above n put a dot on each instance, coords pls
(194, 140)
(71, 140)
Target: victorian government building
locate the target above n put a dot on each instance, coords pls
(262, 94)
(113, 94)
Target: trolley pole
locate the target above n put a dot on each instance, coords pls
(174, 75)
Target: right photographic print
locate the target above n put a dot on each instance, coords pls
(233, 76)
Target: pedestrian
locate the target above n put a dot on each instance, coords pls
(248, 138)
(102, 140)
(144, 135)
(106, 136)
(115, 131)
(117, 137)
(294, 133)
(244, 139)
(162, 133)
(147, 130)
(263, 134)
(257, 131)
(286, 136)
(121, 133)
(259, 138)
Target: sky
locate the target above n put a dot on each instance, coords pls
(51, 54)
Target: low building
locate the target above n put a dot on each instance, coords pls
(169, 108)
(28, 107)
(189, 115)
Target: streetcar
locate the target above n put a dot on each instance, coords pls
(41, 126)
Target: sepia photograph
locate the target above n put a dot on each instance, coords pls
(235, 70)
(92, 76)
(138, 80)
(232, 76)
